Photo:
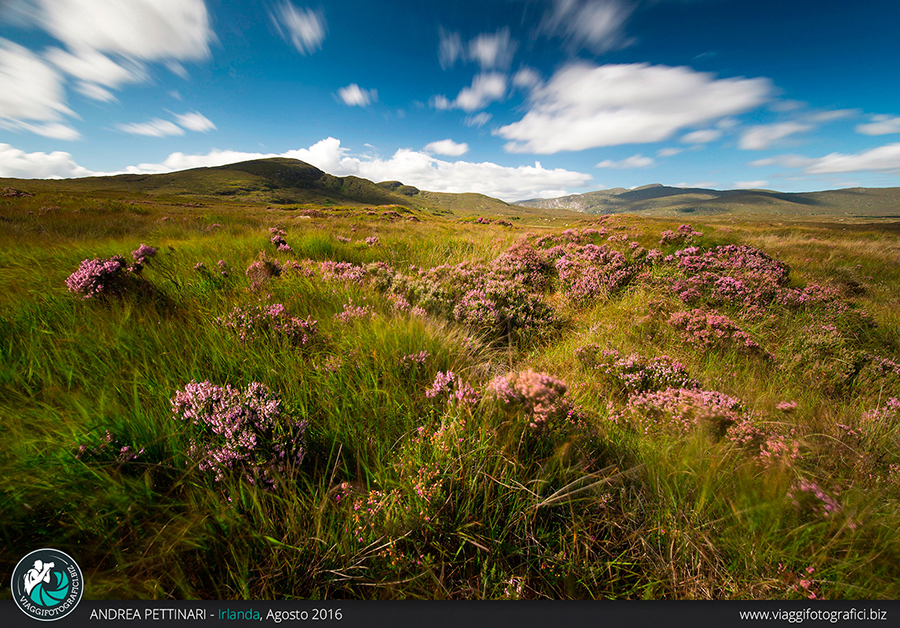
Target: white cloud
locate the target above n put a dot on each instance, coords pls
(195, 121)
(788, 161)
(55, 130)
(304, 28)
(354, 96)
(750, 185)
(668, 152)
(93, 67)
(447, 147)
(478, 120)
(635, 161)
(21, 165)
(586, 106)
(95, 92)
(153, 128)
(137, 29)
(493, 50)
(880, 125)
(595, 24)
(486, 88)
(882, 159)
(763, 136)
(818, 117)
(489, 50)
(450, 48)
(703, 136)
(30, 89)
(698, 184)
(526, 78)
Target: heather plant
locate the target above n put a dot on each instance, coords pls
(262, 270)
(680, 411)
(634, 373)
(268, 321)
(590, 271)
(109, 449)
(683, 235)
(100, 278)
(245, 433)
(538, 396)
(707, 330)
(448, 385)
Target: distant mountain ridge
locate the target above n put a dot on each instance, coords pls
(661, 200)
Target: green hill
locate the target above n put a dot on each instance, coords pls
(661, 200)
(275, 181)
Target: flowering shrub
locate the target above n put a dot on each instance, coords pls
(353, 312)
(634, 373)
(342, 272)
(539, 395)
(245, 432)
(372, 240)
(728, 275)
(767, 446)
(684, 234)
(453, 387)
(98, 277)
(262, 270)
(709, 329)
(590, 271)
(263, 321)
(680, 411)
(143, 253)
(409, 361)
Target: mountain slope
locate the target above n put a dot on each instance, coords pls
(660, 200)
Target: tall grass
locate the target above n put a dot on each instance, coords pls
(403, 494)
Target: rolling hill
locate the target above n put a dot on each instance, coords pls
(661, 200)
(276, 181)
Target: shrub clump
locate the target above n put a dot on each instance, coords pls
(634, 373)
(680, 411)
(709, 329)
(264, 321)
(98, 278)
(538, 395)
(245, 432)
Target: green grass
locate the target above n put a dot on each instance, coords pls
(437, 500)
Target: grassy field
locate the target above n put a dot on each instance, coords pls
(384, 403)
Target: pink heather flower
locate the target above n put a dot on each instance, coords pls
(681, 410)
(372, 240)
(787, 406)
(99, 277)
(242, 431)
(353, 312)
(412, 359)
(143, 253)
(540, 395)
(223, 268)
(263, 321)
(442, 384)
(809, 496)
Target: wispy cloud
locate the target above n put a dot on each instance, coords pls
(763, 136)
(880, 159)
(152, 128)
(303, 28)
(354, 96)
(585, 106)
(33, 96)
(488, 50)
(703, 136)
(635, 161)
(598, 25)
(880, 125)
(195, 121)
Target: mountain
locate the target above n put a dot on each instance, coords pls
(276, 181)
(661, 200)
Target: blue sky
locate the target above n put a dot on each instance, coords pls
(512, 98)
